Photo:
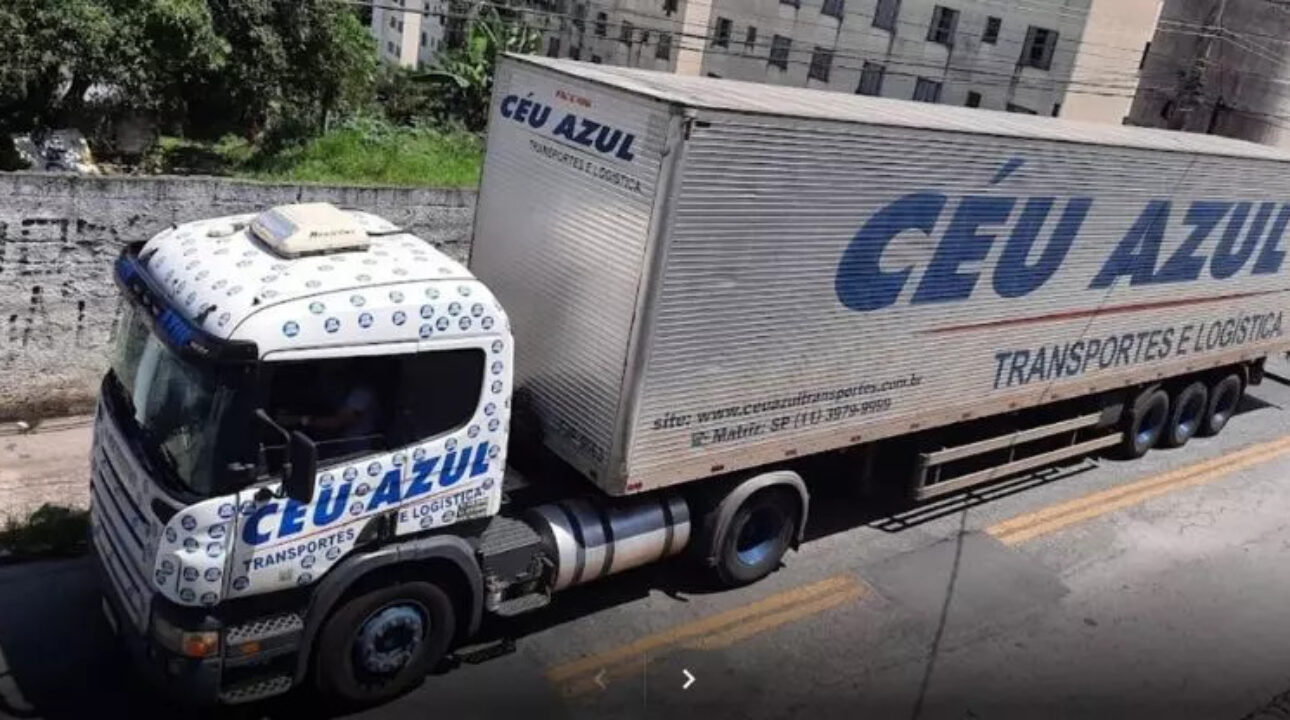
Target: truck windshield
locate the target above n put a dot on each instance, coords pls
(177, 405)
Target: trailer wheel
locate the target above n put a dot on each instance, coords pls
(1224, 396)
(382, 643)
(758, 536)
(1146, 422)
(1186, 414)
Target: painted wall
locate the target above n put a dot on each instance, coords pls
(60, 234)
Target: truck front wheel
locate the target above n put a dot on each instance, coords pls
(382, 643)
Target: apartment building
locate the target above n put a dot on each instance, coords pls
(409, 32)
(1074, 58)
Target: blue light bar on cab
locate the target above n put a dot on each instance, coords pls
(175, 330)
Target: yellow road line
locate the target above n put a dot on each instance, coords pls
(1057, 517)
(739, 633)
(724, 636)
(703, 626)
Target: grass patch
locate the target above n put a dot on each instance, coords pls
(373, 155)
(50, 531)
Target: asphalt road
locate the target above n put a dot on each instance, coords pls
(1154, 588)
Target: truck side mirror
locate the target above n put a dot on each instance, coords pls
(298, 478)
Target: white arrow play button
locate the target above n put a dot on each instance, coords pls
(689, 679)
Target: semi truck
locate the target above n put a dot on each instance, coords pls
(326, 450)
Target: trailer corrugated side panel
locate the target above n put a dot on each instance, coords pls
(561, 230)
(828, 283)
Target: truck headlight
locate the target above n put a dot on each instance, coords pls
(193, 644)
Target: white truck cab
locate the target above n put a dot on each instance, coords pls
(285, 387)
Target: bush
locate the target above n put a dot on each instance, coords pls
(52, 530)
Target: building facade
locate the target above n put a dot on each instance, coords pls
(1074, 58)
(409, 32)
(1220, 67)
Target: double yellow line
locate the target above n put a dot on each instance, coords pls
(1054, 518)
(710, 633)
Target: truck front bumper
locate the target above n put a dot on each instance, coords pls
(218, 679)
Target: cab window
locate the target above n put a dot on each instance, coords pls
(361, 405)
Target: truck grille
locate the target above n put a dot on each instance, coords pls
(124, 530)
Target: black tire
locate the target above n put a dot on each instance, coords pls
(1224, 397)
(1186, 412)
(1146, 421)
(371, 651)
(759, 534)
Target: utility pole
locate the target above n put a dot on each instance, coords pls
(1193, 84)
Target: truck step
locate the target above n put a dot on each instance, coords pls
(256, 690)
(522, 604)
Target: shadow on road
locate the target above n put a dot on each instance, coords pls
(59, 660)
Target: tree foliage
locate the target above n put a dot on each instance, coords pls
(140, 51)
(208, 67)
(463, 74)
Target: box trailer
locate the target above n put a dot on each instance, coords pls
(706, 276)
(325, 450)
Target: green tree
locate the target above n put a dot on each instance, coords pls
(463, 76)
(142, 51)
(293, 65)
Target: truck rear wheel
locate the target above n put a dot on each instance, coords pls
(758, 536)
(1224, 396)
(1185, 416)
(1146, 421)
(382, 643)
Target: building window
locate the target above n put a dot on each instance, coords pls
(973, 99)
(400, 26)
(596, 59)
(553, 47)
(1037, 52)
(664, 49)
(871, 79)
(927, 90)
(992, 27)
(1010, 107)
(722, 36)
(602, 23)
(394, 22)
(884, 16)
(390, 47)
(821, 61)
(625, 33)
(832, 8)
(944, 20)
(669, 7)
(644, 36)
(575, 53)
(750, 40)
(423, 39)
(779, 46)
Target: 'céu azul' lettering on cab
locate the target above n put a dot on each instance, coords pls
(333, 501)
(1225, 236)
(583, 131)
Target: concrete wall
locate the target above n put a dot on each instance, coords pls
(1221, 67)
(60, 234)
